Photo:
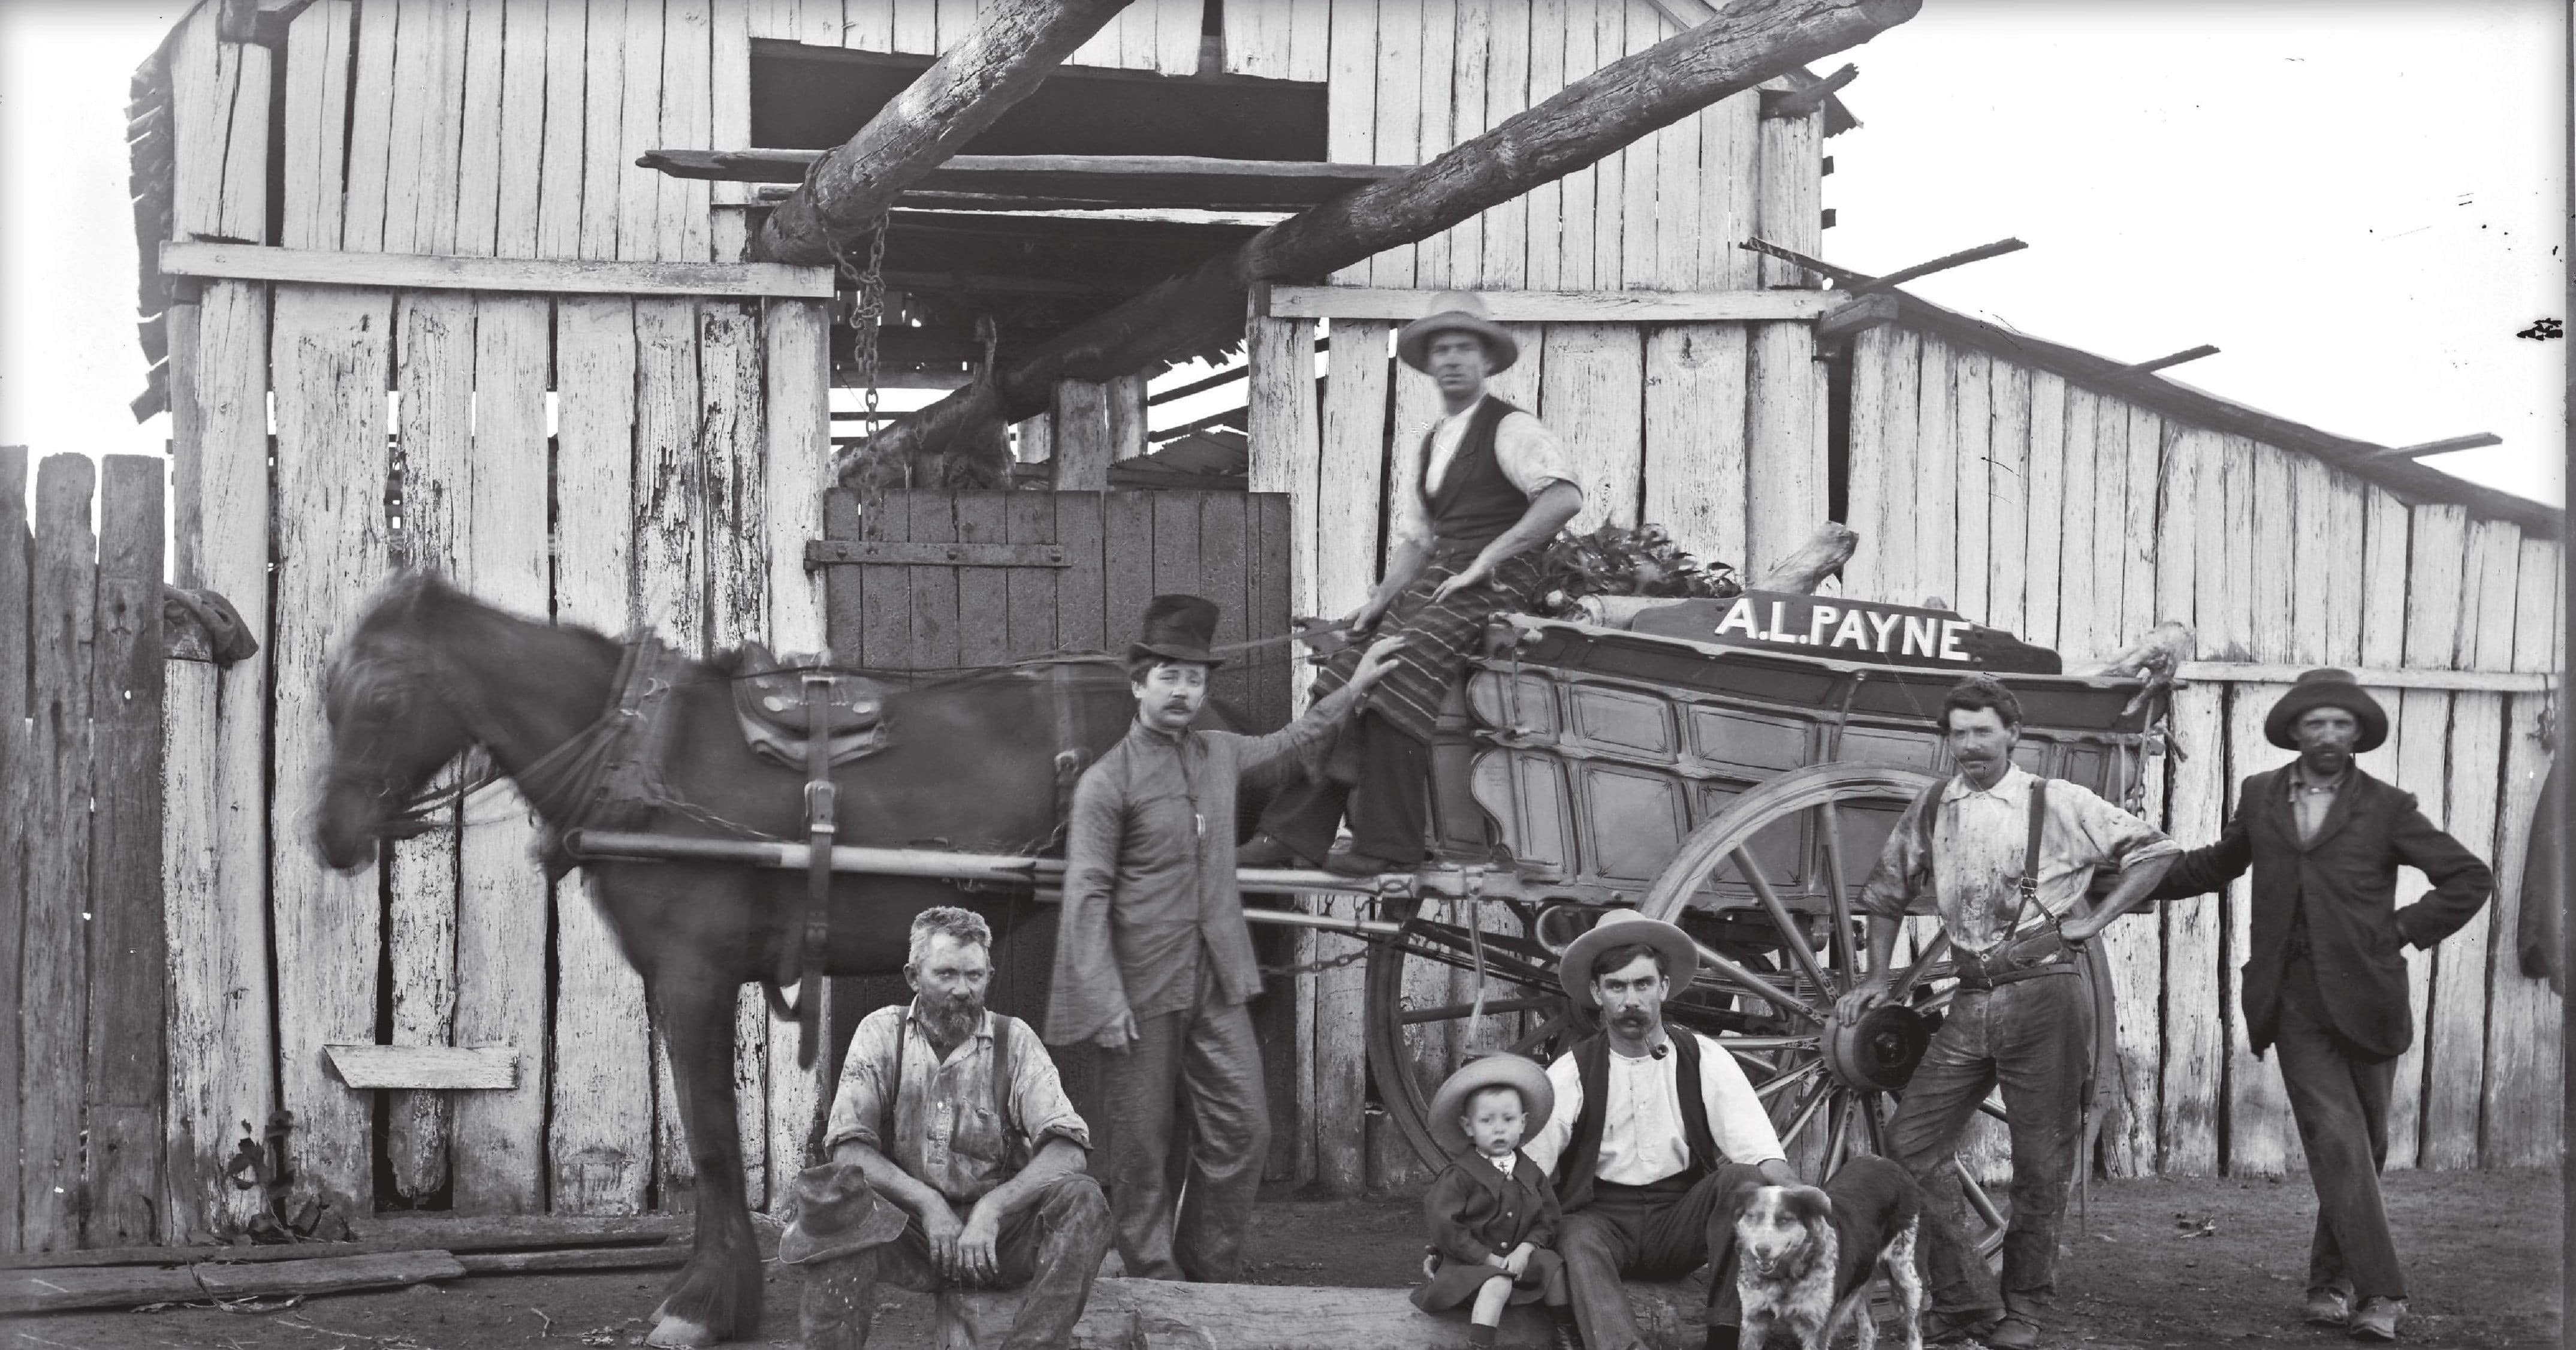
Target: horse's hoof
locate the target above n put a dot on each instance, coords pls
(679, 1333)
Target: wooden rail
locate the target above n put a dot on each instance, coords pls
(558, 276)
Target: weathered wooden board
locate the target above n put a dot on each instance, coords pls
(2076, 619)
(2522, 1104)
(2261, 1141)
(475, 228)
(215, 835)
(434, 377)
(1891, 574)
(562, 175)
(420, 177)
(638, 190)
(1972, 445)
(371, 130)
(521, 129)
(330, 356)
(1696, 458)
(1283, 426)
(1083, 446)
(1347, 503)
(16, 784)
(1595, 396)
(1437, 101)
(2043, 544)
(1543, 263)
(71, 1288)
(2108, 550)
(1532, 306)
(2436, 604)
(426, 1068)
(422, 271)
(316, 123)
(53, 974)
(1397, 109)
(128, 945)
(600, 1139)
(2008, 496)
(1934, 558)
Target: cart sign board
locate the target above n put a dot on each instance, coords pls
(1853, 630)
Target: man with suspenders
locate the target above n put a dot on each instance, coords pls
(2006, 859)
(955, 1159)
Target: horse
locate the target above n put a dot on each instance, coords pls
(428, 672)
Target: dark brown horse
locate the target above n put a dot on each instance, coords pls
(970, 764)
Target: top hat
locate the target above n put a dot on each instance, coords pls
(1538, 1096)
(1178, 628)
(1617, 928)
(837, 1213)
(2326, 688)
(1456, 312)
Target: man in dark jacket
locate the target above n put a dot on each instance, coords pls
(2327, 978)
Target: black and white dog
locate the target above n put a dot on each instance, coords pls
(1804, 1257)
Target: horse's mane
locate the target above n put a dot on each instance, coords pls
(422, 599)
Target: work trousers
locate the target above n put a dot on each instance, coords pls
(1051, 1248)
(1207, 1056)
(2035, 1037)
(1387, 801)
(2339, 1096)
(1660, 1231)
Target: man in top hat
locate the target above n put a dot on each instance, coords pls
(1489, 488)
(2006, 859)
(2325, 981)
(1656, 1136)
(1153, 961)
(955, 1159)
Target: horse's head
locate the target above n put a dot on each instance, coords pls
(391, 727)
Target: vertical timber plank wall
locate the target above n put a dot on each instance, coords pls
(52, 973)
(16, 787)
(2520, 1123)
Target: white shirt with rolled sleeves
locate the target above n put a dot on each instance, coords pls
(1527, 452)
(1641, 1124)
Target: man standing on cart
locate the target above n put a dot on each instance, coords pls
(2006, 858)
(1491, 487)
(1153, 960)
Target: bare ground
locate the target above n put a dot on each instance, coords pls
(2159, 1264)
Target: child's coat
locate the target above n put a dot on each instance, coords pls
(1473, 1211)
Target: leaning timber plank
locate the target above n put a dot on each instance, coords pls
(551, 275)
(1361, 302)
(418, 1230)
(424, 1068)
(657, 1257)
(599, 1142)
(220, 1038)
(1590, 118)
(498, 1136)
(972, 83)
(330, 358)
(128, 944)
(434, 375)
(61, 629)
(71, 1288)
(16, 785)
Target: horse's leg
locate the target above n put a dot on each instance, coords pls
(718, 1293)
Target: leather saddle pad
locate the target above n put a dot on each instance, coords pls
(769, 700)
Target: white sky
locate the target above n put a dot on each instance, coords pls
(2360, 201)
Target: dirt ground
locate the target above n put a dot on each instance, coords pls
(2159, 1264)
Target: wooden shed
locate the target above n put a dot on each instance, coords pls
(411, 300)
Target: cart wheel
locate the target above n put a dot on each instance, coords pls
(1423, 1018)
(1793, 853)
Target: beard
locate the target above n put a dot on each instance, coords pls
(952, 1019)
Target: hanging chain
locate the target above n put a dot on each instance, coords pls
(1318, 967)
(867, 312)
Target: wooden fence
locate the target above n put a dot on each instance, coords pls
(81, 926)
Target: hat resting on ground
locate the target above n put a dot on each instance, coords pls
(1618, 928)
(1456, 312)
(1538, 1096)
(837, 1213)
(1178, 628)
(2326, 688)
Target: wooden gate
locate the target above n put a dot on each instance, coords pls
(932, 581)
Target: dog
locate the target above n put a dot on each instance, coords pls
(1803, 1256)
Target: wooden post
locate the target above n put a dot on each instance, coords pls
(17, 782)
(52, 972)
(971, 84)
(1589, 119)
(128, 947)
(1083, 446)
(1125, 405)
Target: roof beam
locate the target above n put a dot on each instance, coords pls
(1749, 42)
(2478, 440)
(1001, 62)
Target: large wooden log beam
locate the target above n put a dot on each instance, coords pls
(961, 93)
(1126, 1314)
(1203, 311)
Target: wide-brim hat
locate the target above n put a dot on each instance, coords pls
(1538, 1096)
(1456, 312)
(837, 1213)
(2326, 688)
(1178, 628)
(1618, 928)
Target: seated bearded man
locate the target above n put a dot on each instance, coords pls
(955, 1160)
(1656, 1139)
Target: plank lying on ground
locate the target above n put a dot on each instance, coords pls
(426, 1067)
(655, 1257)
(1371, 302)
(563, 276)
(1131, 1314)
(70, 1288)
(453, 1233)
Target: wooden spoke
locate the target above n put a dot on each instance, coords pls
(1846, 959)
(1921, 969)
(1792, 935)
(1779, 997)
(1846, 1104)
(1539, 1037)
(1815, 1101)
(1787, 1080)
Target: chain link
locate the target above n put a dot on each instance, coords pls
(867, 312)
(1353, 956)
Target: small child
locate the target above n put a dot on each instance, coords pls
(1492, 1212)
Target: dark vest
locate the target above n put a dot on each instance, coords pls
(1476, 502)
(1582, 1156)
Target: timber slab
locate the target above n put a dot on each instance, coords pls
(1132, 1314)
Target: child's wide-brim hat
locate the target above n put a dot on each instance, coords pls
(1538, 1096)
(1618, 928)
